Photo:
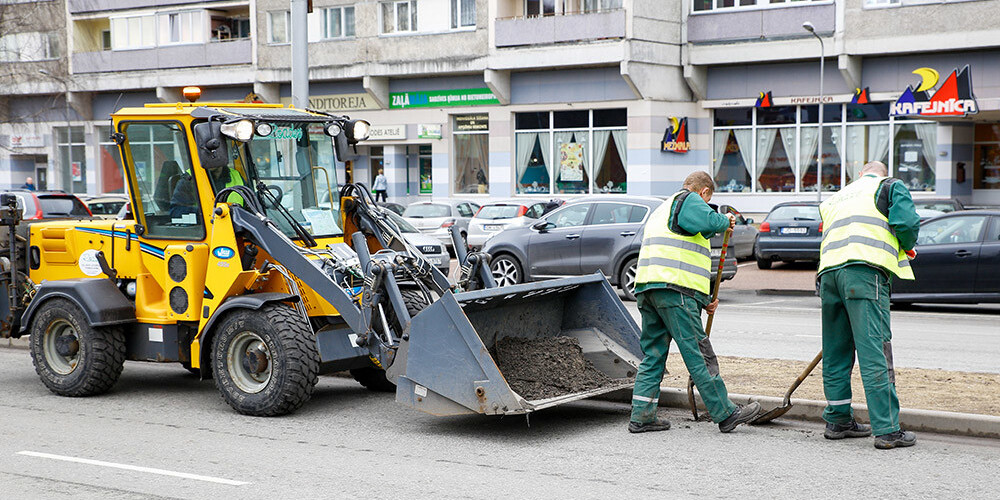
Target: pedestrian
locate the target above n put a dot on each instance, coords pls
(380, 186)
(672, 287)
(29, 184)
(870, 226)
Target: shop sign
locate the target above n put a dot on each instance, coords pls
(428, 131)
(953, 98)
(765, 100)
(386, 132)
(470, 123)
(804, 100)
(442, 98)
(26, 141)
(675, 138)
(338, 102)
(861, 96)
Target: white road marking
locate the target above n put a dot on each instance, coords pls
(811, 336)
(136, 468)
(747, 263)
(775, 301)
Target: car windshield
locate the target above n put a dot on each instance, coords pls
(427, 210)
(296, 164)
(404, 226)
(939, 206)
(494, 212)
(62, 206)
(794, 212)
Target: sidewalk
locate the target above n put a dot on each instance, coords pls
(797, 278)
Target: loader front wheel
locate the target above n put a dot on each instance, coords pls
(265, 361)
(71, 357)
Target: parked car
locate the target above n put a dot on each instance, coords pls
(436, 217)
(744, 233)
(429, 246)
(393, 207)
(496, 216)
(958, 260)
(105, 206)
(791, 231)
(602, 233)
(945, 205)
(37, 205)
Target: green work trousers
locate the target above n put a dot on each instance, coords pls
(856, 318)
(666, 315)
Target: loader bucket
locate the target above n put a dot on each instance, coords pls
(517, 349)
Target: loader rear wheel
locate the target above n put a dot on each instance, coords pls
(71, 357)
(265, 361)
(372, 377)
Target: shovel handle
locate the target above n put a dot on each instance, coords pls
(708, 325)
(802, 376)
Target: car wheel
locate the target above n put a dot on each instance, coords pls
(762, 263)
(506, 270)
(626, 280)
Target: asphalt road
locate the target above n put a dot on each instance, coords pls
(161, 433)
(962, 338)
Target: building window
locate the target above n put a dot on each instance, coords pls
(109, 163)
(181, 27)
(986, 156)
(769, 150)
(601, 5)
(709, 5)
(463, 13)
(338, 22)
(72, 159)
(105, 39)
(399, 16)
(472, 154)
(425, 161)
(571, 152)
(23, 47)
(535, 8)
(135, 32)
(277, 26)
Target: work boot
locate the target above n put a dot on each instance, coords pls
(742, 415)
(851, 429)
(898, 439)
(660, 424)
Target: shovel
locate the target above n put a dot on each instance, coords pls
(764, 418)
(708, 325)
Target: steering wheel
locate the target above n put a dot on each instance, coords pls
(277, 193)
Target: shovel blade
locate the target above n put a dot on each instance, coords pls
(767, 417)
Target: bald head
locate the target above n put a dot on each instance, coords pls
(875, 167)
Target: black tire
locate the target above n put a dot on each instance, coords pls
(373, 378)
(284, 348)
(626, 282)
(763, 263)
(91, 359)
(506, 270)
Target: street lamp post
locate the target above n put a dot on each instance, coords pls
(808, 26)
(69, 130)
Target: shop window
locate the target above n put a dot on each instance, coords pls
(463, 13)
(775, 160)
(424, 160)
(864, 143)
(733, 117)
(399, 16)
(472, 153)
(571, 119)
(831, 113)
(572, 166)
(986, 157)
(878, 112)
(109, 163)
(732, 153)
(338, 22)
(915, 153)
(375, 162)
(277, 26)
(72, 159)
(831, 158)
(616, 117)
(533, 152)
(531, 121)
(776, 115)
(610, 157)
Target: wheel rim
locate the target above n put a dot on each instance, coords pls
(505, 272)
(630, 279)
(249, 362)
(58, 336)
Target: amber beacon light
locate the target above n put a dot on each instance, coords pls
(192, 93)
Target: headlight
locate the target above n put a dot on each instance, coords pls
(241, 130)
(333, 130)
(264, 129)
(357, 130)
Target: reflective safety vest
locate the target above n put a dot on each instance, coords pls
(855, 230)
(234, 180)
(669, 257)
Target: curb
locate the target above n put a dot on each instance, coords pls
(788, 293)
(942, 422)
(21, 343)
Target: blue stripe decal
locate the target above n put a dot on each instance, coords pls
(145, 247)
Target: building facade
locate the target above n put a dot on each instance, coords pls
(546, 99)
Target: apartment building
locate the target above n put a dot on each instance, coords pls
(550, 98)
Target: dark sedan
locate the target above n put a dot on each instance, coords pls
(958, 260)
(792, 231)
(581, 237)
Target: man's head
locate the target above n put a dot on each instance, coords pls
(29, 180)
(701, 183)
(875, 167)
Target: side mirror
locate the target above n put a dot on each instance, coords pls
(749, 221)
(212, 149)
(542, 226)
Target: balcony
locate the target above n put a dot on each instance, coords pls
(759, 24)
(84, 6)
(560, 29)
(168, 57)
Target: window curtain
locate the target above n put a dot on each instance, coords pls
(744, 139)
(621, 142)
(807, 151)
(927, 133)
(765, 143)
(788, 142)
(545, 140)
(601, 138)
(719, 149)
(525, 143)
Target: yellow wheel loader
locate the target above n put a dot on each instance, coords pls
(246, 263)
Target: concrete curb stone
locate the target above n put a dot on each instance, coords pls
(21, 343)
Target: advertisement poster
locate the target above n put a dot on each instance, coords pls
(76, 170)
(571, 162)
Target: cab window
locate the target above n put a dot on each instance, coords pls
(162, 181)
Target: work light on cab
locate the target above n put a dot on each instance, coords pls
(357, 130)
(264, 129)
(333, 129)
(241, 130)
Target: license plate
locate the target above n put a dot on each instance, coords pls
(794, 230)
(492, 227)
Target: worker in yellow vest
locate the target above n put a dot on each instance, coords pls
(868, 228)
(224, 177)
(672, 288)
